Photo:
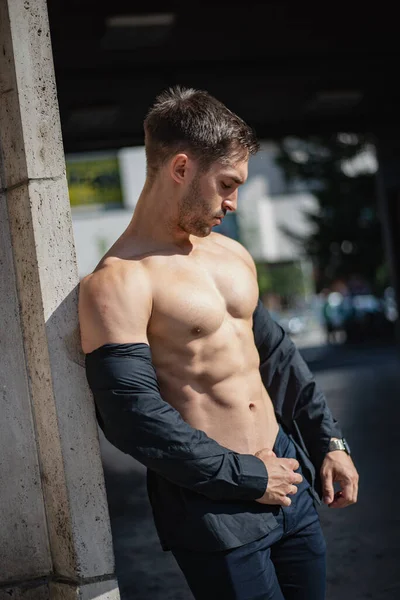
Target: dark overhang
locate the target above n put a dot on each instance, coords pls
(285, 67)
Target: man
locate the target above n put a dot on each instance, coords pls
(192, 377)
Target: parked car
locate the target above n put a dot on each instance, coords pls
(368, 319)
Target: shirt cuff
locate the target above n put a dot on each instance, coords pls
(253, 475)
(336, 431)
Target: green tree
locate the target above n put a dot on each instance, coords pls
(94, 181)
(284, 279)
(347, 238)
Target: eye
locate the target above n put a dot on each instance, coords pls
(226, 186)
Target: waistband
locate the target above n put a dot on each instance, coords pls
(284, 444)
(285, 447)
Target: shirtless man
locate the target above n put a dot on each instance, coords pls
(231, 486)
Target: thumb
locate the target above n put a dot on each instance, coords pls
(327, 488)
(265, 452)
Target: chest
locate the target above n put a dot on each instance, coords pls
(193, 295)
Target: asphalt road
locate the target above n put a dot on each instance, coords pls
(363, 389)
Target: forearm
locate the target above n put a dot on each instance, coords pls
(136, 419)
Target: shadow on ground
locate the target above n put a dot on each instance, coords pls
(362, 385)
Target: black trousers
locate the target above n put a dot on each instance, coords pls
(287, 564)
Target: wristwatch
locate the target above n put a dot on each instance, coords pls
(339, 444)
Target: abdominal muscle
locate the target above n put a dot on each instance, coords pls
(214, 382)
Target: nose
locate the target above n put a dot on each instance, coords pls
(230, 202)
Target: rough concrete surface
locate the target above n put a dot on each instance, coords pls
(46, 280)
(24, 547)
(33, 590)
(44, 293)
(362, 386)
(31, 132)
(99, 590)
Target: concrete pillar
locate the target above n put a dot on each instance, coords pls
(55, 537)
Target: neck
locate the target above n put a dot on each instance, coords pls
(155, 218)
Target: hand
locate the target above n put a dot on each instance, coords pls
(338, 467)
(281, 478)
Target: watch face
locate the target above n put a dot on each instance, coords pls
(339, 444)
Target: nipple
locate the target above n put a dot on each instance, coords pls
(251, 406)
(196, 330)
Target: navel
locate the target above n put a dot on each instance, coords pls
(252, 406)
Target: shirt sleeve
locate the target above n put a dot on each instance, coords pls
(136, 419)
(298, 402)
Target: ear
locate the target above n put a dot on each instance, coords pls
(180, 167)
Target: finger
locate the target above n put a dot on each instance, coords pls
(296, 478)
(265, 452)
(355, 480)
(327, 487)
(347, 495)
(339, 501)
(347, 491)
(355, 492)
(293, 490)
(352, 494)
(285, 501)
(293, 463)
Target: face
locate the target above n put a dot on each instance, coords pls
(210, 196)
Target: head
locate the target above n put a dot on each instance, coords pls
(200, 149)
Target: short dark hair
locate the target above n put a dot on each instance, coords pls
(193, 121)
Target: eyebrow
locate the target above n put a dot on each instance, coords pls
(236, 179)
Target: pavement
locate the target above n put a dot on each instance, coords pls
(362, 385)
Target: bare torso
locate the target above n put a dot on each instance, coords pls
(200, 334)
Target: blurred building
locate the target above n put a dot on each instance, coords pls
(97, 224)
(104, 189)
(272, 213)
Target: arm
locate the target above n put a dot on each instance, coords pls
(292, 388)
(131, 411)
(302, 408)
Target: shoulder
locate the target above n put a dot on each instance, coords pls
(115, 304)
(112, 275)
(115, 289)
(234, 246)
